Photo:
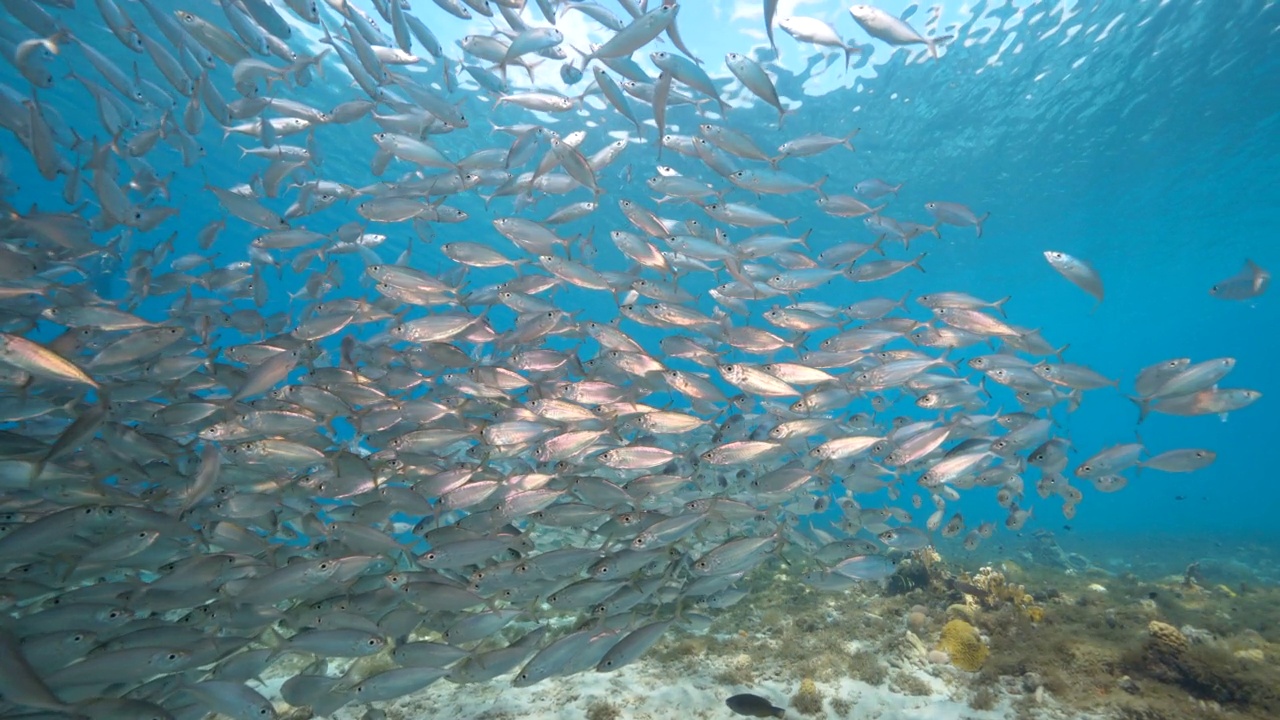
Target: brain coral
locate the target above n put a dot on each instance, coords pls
(1166, 639)
(962, 642)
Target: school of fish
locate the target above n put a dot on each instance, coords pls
(528, 441)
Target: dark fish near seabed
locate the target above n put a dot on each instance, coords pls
(754, 706)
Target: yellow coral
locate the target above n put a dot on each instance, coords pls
(1166, 640)
(963, 644)
(807, 700)
(1035, 613)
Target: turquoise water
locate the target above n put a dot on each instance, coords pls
(1139, 136)
(1134, 135)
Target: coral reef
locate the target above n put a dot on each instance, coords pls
(1165, 643)
(807, 700)
(963, 644)
(1206, 669)
(738, 671)
(989, 590)
(1139, 645)
(959, 611)
(923, 570)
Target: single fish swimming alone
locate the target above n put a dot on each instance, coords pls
(1247, 284)
(754, 706)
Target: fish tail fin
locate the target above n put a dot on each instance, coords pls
(933, 44)
(932, 228)
(817, 187)
(328, 38)
(946, 362)
(980, 221)
(999, 304)
(37, 469)
(849, 50)
(902, 303)
(804, 239)
(916, 262)
(276, 643)
(1144, 407)
(847, 138)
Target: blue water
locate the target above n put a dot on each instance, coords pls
(1140, 136)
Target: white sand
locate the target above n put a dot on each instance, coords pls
(648, 690)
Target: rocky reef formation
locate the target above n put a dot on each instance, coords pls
(1033, 639)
